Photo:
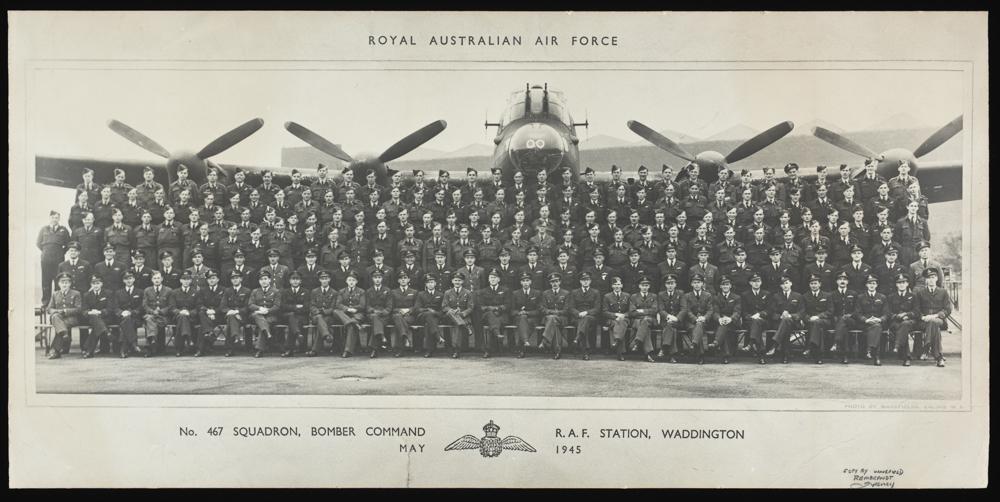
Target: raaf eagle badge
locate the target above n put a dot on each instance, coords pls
(490, 445)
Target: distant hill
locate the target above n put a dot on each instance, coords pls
(806, 129)
(740, 132)
(473, 150)
(898, 121)
(425, 153)
(602, 141)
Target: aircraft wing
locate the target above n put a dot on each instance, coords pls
(67, 172)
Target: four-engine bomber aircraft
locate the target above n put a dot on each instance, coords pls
(535, 132)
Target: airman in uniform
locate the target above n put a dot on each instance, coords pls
(554, 307)
(350, 311)
(211, 318)
(642, 310)
(525, 309)
(585, 309)
(903, 313)
(295, 303)
(817, 313)
(323, 302)
(787, 309)
(456, 305)
(934, 306)
(698, 311)
(157, 306)
(845, 302)
(872, 314)
(378, 305)
(727, 312)
(404, 300)
(186, 306)
(264, 304)
(615, 307)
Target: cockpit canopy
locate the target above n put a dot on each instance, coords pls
(536, 97)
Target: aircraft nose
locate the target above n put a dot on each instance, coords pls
(536, 147)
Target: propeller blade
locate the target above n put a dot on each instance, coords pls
(318, 142)
(760, 141)
(938, 138)
(411, 142)
(659, 140)
(138, 138)
(226, 141)
(842, 142)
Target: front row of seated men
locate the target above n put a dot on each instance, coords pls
(202, 314)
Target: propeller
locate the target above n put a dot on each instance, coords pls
(843, 143)
(226, 141)
(939, 137)
(659, 140)
(219, 145)
(138, 138)
(318, 142)
(411, 142)
(760, 141)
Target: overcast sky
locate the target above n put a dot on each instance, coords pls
(368, 111)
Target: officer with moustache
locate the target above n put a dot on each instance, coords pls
(643, 309)
(818, 310)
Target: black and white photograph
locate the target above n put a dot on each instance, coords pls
(416, 219)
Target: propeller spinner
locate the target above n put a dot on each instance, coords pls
(196, 162)
(889, 160)
(365, 162)
(709, 162)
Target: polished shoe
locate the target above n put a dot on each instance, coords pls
(286, 354)
(586, 357)
(229, 353)
(310, 353)
(940, 363)
(843, 361)
(520, 355)
(427, 354)
(806, 352)
(660, 354)
(454, 355)
(762, 361)
(672, 360)
(878, 362)
(923, 357)
(346, 354)
(259, 354)
(819, 361)
(701, 360)
(486, 355)
(621, 357)
(55, 355)
(784, 360)
(868, 355)
(147, 354)
(87, 355)
(373, 355)
(123, 355)
(649, 358)
(772, 351)
(725, 360)
(397, 354)
(557, 355)
(906, 362)
(197, 353)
